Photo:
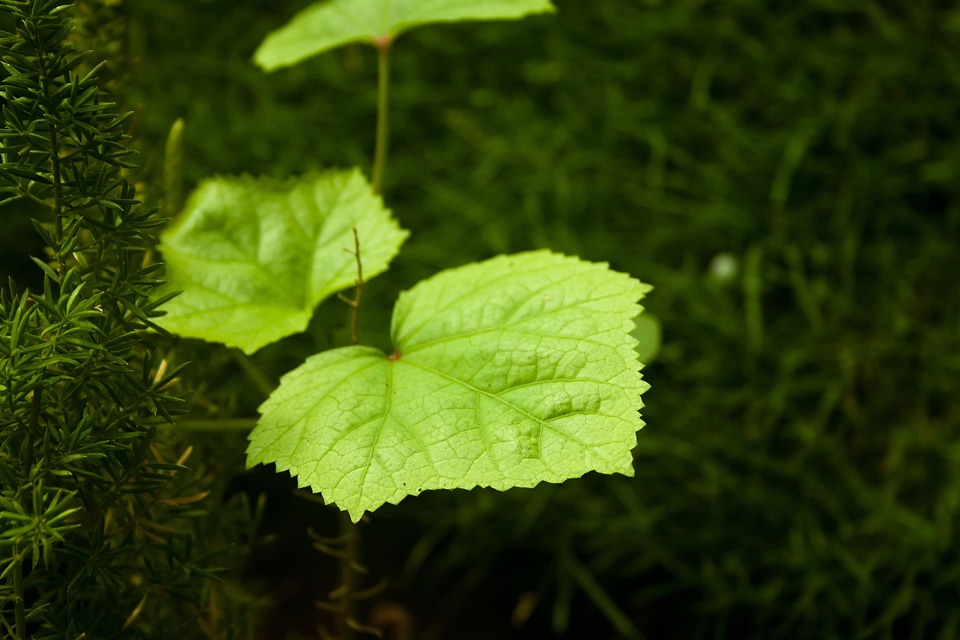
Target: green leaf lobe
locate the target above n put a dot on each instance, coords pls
(326, 25)
(253, 257)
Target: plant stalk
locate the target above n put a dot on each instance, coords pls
(358, 296)
(348, 577)
(20, 614)
(226, 424)
(383, 100)
(54, 174)
(57, 205)
(173, 170)
(31, 436)
(253, 372)
(349, 530)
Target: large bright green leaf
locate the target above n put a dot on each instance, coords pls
(326, 25)
(253, 257)
(506, 373)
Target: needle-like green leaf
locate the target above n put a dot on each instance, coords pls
(253, 257)
(506, 373)
(326, 25)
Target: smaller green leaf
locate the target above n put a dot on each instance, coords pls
(326, 25)
(253, 257)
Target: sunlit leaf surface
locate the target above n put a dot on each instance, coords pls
(253, 257)
(326, 25)
(506, 373)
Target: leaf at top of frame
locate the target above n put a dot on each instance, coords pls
(326, 25)
(254, 256)
(506, 373)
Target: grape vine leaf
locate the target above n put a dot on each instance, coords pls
(505, 373)
(254, 256)
(326, 25)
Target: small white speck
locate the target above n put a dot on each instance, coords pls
(723, 267)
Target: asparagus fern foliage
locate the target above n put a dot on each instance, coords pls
(87, 495)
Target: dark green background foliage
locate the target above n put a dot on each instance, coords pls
(800, 474)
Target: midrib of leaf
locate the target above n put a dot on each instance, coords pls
(329, 392)
(542, 423)
(534, 383)
(350, 17)
(288, 212)
(433, 343)
(383, 421)
(374, 362)
(310, 292)
(340, 8)
(386, 14)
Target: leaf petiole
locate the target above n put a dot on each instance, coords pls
(382, 44)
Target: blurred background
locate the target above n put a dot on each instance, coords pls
(786, 173)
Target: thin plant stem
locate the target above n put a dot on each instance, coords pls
(57, 206)
(354, 303)
(348, 576)
(173, 170)
(358, 297)
(349, 530)
(36, 409)
(257, 377)
(20, 614)
(227, 424)
(383, 100)
(54, 175)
